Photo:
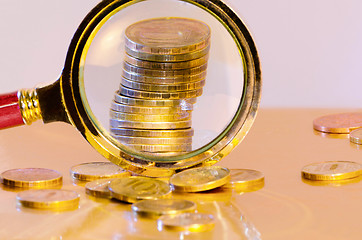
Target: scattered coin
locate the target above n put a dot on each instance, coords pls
(97, 170)
(48, 199)
(244, 179)
(356, 136)
(332, 170)
(159, 207)
(133, 189)
(31, 178)
(188, 222)
(338, 123)
(200, 179)
(99, 188)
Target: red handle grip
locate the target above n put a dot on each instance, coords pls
(10, 114)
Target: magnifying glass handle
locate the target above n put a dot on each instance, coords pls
(10, 113)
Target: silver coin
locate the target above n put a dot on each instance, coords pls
(124, 132)
(162, 87)
(116, 123)
(160, 95)
(164, 80)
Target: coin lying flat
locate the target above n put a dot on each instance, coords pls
(97, 170)
(338, 123)
(200, 179)
(185, 147)
(332, 170)
(145, 109)
(152, 87)
(182, 124)
(189, 222)
(48, 199)
(244, 179)
(154, 141)
(160, 95)
(159, 207)
(99, 188)
(356, 136)
(31, 178)
(150, 118)
(163, 80)
(133, 189)
(189, 132)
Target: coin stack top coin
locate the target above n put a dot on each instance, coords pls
(164, 71)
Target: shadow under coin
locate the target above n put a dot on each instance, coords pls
(331, 135)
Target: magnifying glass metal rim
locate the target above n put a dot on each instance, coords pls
(75, 103)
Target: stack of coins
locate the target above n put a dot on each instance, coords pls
(164, 72)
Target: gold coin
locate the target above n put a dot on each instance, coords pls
(200, 179)
(356, 136)
(99, 188)
(97, 170)
(166, 65)
(244, 179)
(48, 199)
(163, 73)
(165, 154)
(185, 147)
(185, 104)
(116, 123)
(152, 141)
(160, 95)
(124, 132)
(332, 170)
(163, 80)
(150, 118)
(145, 110)
(133, 189)
(167, 36)
(162, 87)
(31, 178)
(159, 207)
(189, 222)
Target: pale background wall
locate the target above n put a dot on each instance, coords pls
(311, 51)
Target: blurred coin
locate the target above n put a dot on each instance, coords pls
(185, 147)
(167, 36)
(244, 179)
(154, 133)
(200, 179)
(150, 118)
(338, 123)
(163, 80)
(99, 188)
(159, 207)
(48, 199)
(133, 189)
(189, 222)
(332, 170)
(356, 136)
(31, 178)
(152, 141)
(116, 123)
(166, 65)
(97, 170)
(162, 87)
(160, 95)
(145, 110)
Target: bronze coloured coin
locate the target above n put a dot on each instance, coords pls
(338, 123)
(188, 222)
(97, 170)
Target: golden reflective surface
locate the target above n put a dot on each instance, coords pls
(279, 144)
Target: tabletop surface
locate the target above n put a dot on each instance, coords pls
(279, 144)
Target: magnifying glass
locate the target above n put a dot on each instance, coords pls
(87, 94)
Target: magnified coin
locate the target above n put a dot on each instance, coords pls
(332, 170)
(150, 118)
(154, 141)
(31, 178)
(338, 123)
(133, 189)
(153, 134)
(164, 80)
(244, 179)
(48, 199)
(99, 188)
(161, 148)
(182, 124)
(356, 136)
(190, 222)
(118, 97)
(163, 87)
(200, 179)
(159, 207)
(97, 170)
(145, 109)
(160, 95)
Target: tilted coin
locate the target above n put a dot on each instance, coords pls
(99, 188)
(116, 123)
(31, 178)
(166, 65)
(133, 189)
(160, 95)
(200, 179)
(332, 170)
(154, 133)
(153, 141)
(145, 110)
(163, 80)
(162, 87)
(150, 118)
(244, 179)
(97, 170)
(189, 222)
(48, 199)
(185, 147)
(159, 207)
(338, 123)
(356, 136)
(167, 35)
